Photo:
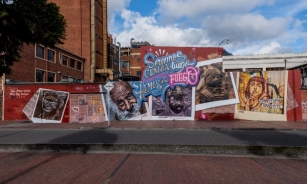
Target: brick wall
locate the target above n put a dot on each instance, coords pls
(77, 15)
(135, 61)
(25, 69)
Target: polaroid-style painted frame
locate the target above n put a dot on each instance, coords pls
(221, 102)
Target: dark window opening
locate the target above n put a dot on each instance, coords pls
(64, 60)
(39, 76)
(51, 77)
(51, 55)
(72, 63)
(39, 51)
(79, 65)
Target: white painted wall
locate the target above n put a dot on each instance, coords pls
(264, 61)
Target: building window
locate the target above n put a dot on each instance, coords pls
(275, 69)
(139, 59)
(304, 77)
(51, 54)
(138, 73)
(253, 69)
(124, 64)
(72, 63)
(39, 76)
(79, 65)
(64, 60)
(64, 78)
(71, 79)
(234, 70)
(51, 77)
(40, 51)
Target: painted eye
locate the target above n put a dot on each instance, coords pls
(121, 103)
(129, 96)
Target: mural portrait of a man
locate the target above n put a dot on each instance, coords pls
(211, 87)
(124, 103)
(50, 105)
(178, 102)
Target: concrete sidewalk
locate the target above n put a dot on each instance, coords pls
(217, 125)
(201, 137)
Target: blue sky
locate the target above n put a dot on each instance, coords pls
(252, 26)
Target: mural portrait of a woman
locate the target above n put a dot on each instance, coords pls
(256, 90)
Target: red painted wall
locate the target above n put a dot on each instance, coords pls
(17, 96)
(294, 81)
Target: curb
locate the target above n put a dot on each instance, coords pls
(179, 149)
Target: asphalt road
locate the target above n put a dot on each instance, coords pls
(152, 137)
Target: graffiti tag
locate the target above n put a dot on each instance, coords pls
(18, 93)
(165, 72)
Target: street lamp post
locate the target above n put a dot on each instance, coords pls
(218, 48)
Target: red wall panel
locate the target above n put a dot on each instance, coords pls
(16, 97)
(294, 81)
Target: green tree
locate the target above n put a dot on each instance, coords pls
(27, 22)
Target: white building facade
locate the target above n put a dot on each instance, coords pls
(249, 63)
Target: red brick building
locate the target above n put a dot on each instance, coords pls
(42, 64)
(88, 53)
(131, 60)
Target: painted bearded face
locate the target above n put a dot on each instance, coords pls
(176, 104)
(50, 103)
(122, 96)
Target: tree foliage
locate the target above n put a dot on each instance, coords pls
(27, 22)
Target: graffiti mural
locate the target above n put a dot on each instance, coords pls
(179, 83)
(178, 105)
(215, 88)
(123, 104)
(87, 108)
(164, 72)
(262, 92)
(49, 106)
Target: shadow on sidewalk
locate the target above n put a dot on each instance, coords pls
(81, 141)
(271, 142)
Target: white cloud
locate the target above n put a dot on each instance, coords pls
(194, 8)
(298, 25)
(243, 29)
(295, 8)
(269, 48)
(147, 29)
(262, 48)
(115, 7)
(245, 35)
(206, 23)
